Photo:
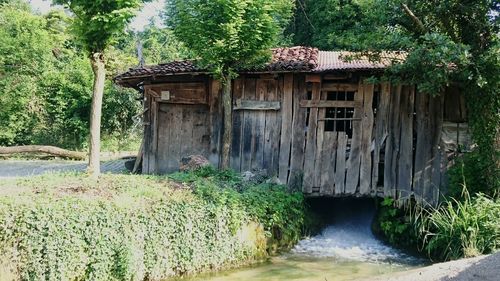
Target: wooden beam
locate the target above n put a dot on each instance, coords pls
(329, 86)
(314, 78)
(257, 105)
(340, 119)
(329, 103)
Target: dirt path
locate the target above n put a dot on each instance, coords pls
(25, 168)
(483, 268)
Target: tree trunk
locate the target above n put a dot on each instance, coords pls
(52, 150)
(228, 120)
(97, 61)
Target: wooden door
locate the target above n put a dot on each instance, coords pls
(183, 130)
(334, 142)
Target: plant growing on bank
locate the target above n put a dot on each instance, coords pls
(124, 227)
(453, 230)
(96, 24)
(227, 35)
(460, 229)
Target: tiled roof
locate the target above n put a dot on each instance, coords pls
(329, 60)
(293, 59)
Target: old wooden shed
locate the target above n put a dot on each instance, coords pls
(310, 118)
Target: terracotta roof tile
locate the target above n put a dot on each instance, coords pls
(283, 59)
(293, 59)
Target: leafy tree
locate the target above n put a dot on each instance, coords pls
(226, 35)
(160, 45)
(25, 52)
(342, 24)
(45, 82)
(96, 24)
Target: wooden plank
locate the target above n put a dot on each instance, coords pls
(237, 127)
(215, 122)
(340, 165)
(423, 145)
(186, 141)
(311, 144)
(432, 189)
(313, 78)
(392, 143)
(336, 76)
(248, 126)
(365, 171)
(298, 133)
(154, 137)
(340, 119)
(147, 135)
(405, 160)
(276, 134)
(329, 103)
(286, 128)
(342, 87)
(182, 92)
(257, 105)
(353, 163)
(381, 122)
(163, 138)
(320, 133)
(327, 167)
(200, 133)
(260, 127)
(271, 131)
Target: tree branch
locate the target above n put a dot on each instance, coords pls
(415, 19)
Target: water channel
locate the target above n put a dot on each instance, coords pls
(345, 250)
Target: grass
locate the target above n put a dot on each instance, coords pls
(137, 227)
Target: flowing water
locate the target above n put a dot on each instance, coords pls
(344, 250)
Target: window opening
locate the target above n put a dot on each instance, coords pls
(339, 119)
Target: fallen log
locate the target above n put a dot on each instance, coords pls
(52, 150)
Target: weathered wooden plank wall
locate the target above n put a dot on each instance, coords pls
(257, 129)
(279, 125)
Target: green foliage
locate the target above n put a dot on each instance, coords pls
(453, 230)
(97, 23)
(69, 227)
(228, 34)
(462, 229)
(339, 24)
(45, 85)
(468, 171)
(394, 223)
(160, 45)
(281, 213)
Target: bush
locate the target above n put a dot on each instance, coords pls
(468, 171)
(67, 227)
(462, 228)
(455, 229)
(394, 222)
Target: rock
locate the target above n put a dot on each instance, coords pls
(274, 180)
(193, 162)
(247, 176)
(255, 176)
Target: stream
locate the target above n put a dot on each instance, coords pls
(344, 250)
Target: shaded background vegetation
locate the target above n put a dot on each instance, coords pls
(46, 80)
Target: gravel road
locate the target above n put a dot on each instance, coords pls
(483, 268)
(25, 168)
